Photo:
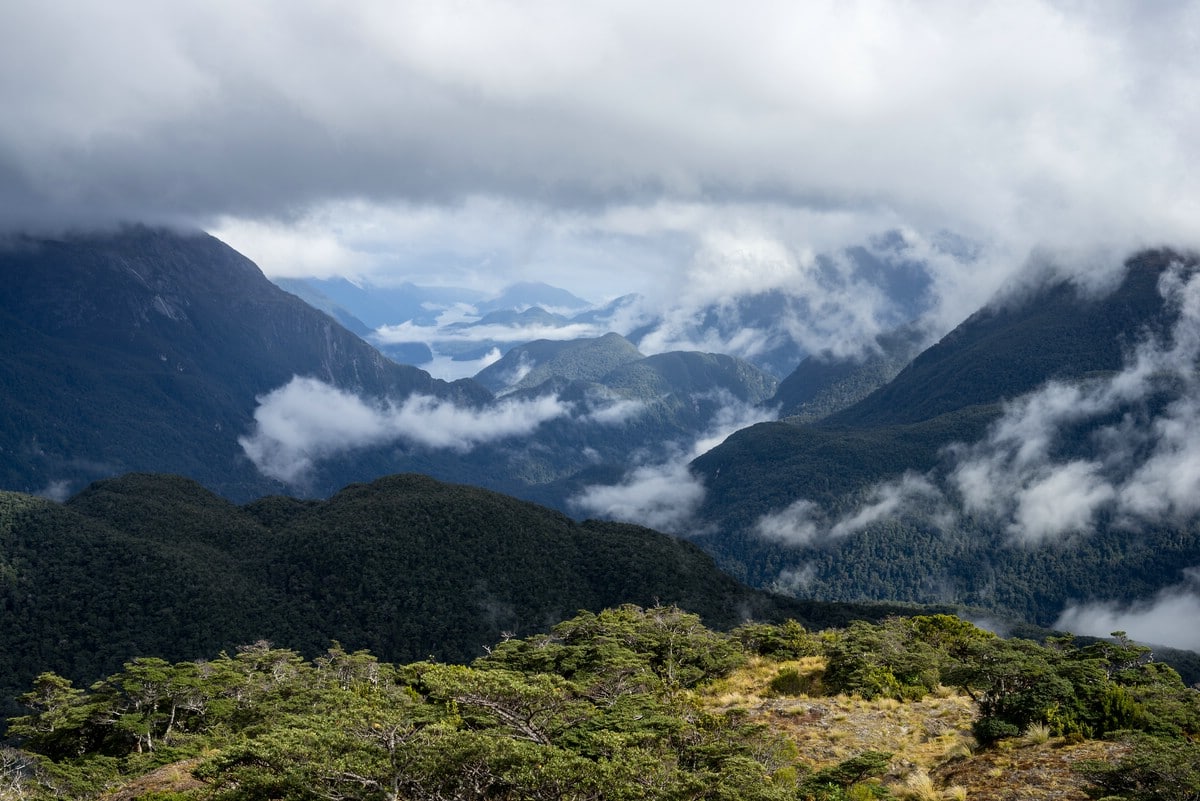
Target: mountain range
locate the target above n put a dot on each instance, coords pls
(160, 351)
(1035, 462)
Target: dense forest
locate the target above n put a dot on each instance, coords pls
(406, 567)
(629, 703)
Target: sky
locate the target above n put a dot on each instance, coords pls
(608, 147)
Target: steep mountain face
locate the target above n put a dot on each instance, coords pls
(823, 385)
(146, 349)
(404, 566)
(1021, 464)
(1022, 341)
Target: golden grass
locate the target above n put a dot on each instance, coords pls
(830, 729)
(917, 786)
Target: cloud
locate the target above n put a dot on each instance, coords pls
(804, 522)
(887, 500)
(616, 412)
(1065, 499)
(58, 490)
(1036, 475)
(1167, 619)
(799, 523)
(306, 420)
(612, 146)
(1142, 468)
(660, 496)
(662, 492)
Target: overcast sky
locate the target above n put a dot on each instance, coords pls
(605, 146)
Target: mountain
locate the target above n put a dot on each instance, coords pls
(689, 374)
(405, 566)
(824, 384)
(528, 365)
(1011, 466)
(319, 300)
(378, 305)
(523, 295)
(146, 349)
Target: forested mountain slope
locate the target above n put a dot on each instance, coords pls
(146, 349)
(1032, 462)
(405, 566)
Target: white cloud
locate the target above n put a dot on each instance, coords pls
(799, 523)
(662, 492)
(1065, 499)
(660, 496)
(1026, 474)
(307, 420)
(1168, 619)
(616, 412)
(804, 522)
(1143, 469)
(885, 501)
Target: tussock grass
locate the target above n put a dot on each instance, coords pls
(1036, 734)
(918, 786)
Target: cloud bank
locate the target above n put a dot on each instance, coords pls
(615, 147)
(307, 420)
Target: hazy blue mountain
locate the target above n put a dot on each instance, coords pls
(525, 294)
(378, 305)
(319, 300)
(822, 385)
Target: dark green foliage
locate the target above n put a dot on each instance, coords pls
(1157, 769)
(893, 659)
(406, 567)
(787, 640)
(347, 726)
(1090, 690)
(599, 708)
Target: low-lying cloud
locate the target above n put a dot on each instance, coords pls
(662, 492)
(307, 420)
(662, 496)
(1157, 621)
(804, 522)
(1139, 463)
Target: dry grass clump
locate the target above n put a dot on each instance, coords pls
(917, 786)
(1036, 734)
